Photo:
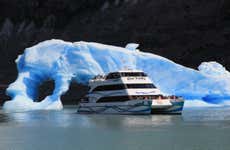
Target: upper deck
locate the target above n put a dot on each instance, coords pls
(123, 82)
(120, 77)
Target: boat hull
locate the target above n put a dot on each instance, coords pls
(175, 108)
(130, 107)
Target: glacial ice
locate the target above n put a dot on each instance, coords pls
(66, 62)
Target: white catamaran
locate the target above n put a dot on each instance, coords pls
(126, 92)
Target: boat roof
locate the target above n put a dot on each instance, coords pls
(127, 70)
(100, 77)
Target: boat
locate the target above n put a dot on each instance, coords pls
(117, 93)
(126, 92)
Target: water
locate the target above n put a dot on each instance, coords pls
(59, 130)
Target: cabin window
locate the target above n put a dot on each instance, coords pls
(134, 86)
(113, 99)
(133, 74)
(123, 98)
(110, 87)
(113, 76)
(123, 86)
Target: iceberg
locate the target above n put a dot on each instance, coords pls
(66, 62)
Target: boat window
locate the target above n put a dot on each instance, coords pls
(123, 98)
(133, 74)
(114, 99)
(115, 75)
(134, 86)
(157, 97)
(123, 86)
(110, 87)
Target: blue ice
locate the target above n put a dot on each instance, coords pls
(66, 62)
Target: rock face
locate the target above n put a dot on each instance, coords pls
(188, 32)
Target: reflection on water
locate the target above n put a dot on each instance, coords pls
(4, 118)
(44, 117)
(206, 114)
(68, 130)
(69, 117)
(128, 121)
(151, 120)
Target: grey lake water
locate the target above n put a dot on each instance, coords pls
(198, 129)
